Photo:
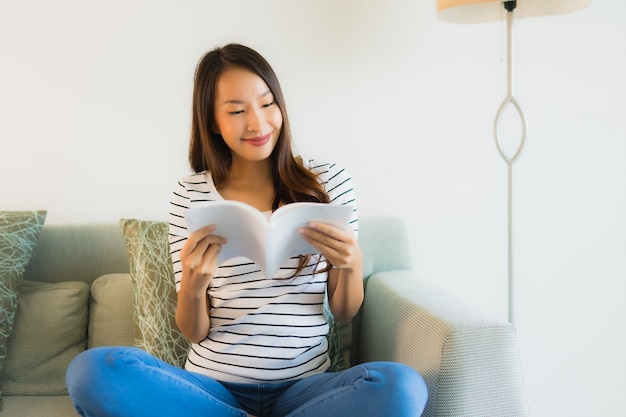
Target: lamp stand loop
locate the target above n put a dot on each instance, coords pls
(510, 159)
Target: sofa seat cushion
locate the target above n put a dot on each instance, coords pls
(38, 406)
(50, 329)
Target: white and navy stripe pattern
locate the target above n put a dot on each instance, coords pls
(262, 329)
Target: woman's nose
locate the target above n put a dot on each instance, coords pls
(255, 122)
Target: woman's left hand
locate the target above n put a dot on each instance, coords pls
(345, 280)
(339, 247)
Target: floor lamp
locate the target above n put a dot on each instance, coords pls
(477, 11)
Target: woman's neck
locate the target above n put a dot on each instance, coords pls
(257, 171)
(251, 183)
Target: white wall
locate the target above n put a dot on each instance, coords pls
(94, 120)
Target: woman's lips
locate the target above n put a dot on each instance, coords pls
(259, 140)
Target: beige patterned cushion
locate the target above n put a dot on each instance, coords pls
(154, 292)
(50, 330)
(19, 231)
(110, 307)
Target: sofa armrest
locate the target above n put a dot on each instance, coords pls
(470, 361)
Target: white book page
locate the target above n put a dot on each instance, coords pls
(243, 226)
(284, 241)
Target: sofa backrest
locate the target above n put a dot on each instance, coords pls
(77, 252)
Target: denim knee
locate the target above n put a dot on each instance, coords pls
(90, 369)
(399, 385)
(381, 389)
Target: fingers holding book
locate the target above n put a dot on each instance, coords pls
(339, 247)
(199, 257)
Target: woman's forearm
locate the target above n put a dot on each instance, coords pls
(192, 316)
(346, 291)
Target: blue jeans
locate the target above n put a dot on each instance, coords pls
(125, 381)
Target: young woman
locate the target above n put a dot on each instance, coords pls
(258, 343)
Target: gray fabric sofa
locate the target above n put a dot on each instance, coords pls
(470, 361)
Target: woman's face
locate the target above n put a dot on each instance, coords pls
(246, 115)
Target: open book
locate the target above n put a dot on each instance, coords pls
(269, 243)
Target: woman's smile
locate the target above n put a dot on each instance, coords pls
(259, 140)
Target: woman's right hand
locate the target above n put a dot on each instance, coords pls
(198, 259)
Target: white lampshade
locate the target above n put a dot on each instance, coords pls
(478, 11)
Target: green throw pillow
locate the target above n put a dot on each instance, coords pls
(50, 329)
(154, 291)
(19, 231)
(335, 338)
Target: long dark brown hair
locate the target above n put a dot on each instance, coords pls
(207, 149)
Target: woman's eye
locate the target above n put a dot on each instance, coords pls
(266, 105)
(234, 112)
